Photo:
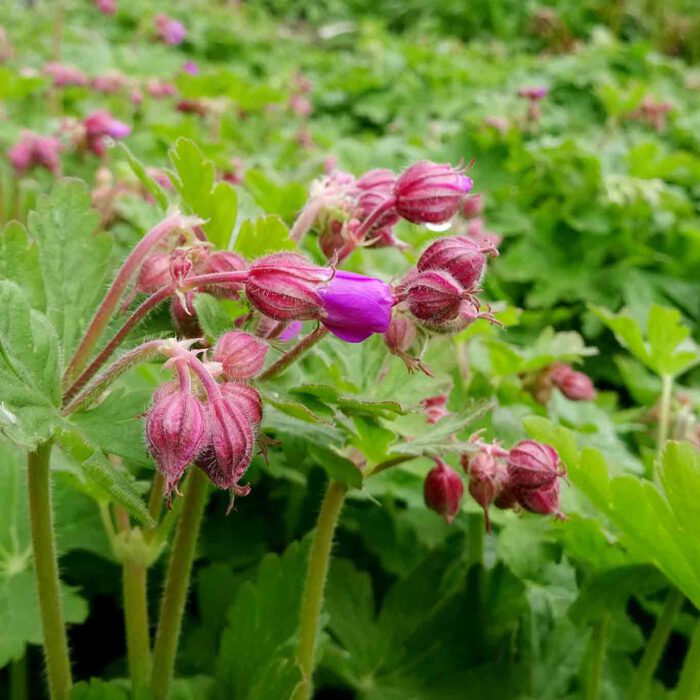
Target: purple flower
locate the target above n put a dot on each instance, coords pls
(170, 30)
(190, 67)
(356, 306)
(291, 331)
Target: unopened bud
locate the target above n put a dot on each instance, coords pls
(533, 464)
(435, 296)
(576, 386)
(430, 193)
(461, 257)
(443, 490)
(242, 355)
(175, 430)
(543, 500)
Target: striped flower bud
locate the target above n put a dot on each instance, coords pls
(434, 296)
(443, 490)
(242, 355)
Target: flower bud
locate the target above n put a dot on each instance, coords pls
(64, 75)
(472, 206)
(224, 261)
(443, 490)
(435, 408)
(248, 399)
(175, 431)
(228, 449)
(430, 193)
(576, 386)
(33, 150)
(241, 354)
(355, 306)
(376, 187)
(169, 30)
(101, 125)
(154, 273)
(284, 286)
(461, 257)
(435, 296)
(488, 479)
(400, 335)
(543, 500)
(532, 465)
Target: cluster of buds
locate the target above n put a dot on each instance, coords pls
(575, 385)
(534, 95)
(169, 30)
(652, 112)
(348, 212)
(99, 127)
(210, 415)
(524, 477)
(33, 150)
(440, 293)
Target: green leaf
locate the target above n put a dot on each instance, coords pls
(274, 197)
(19, 263)
(337, 467)
(146, 180)
(73, 258)
(97, 689)
(29, 370)
(293, 408)
(256, 659)
(667, 349)
(212, 316)
(216, 203)
(267, 234)
(100, 478)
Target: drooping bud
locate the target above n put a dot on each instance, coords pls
(463, 258)
(101, 125)
(488, 478)
(154, 273)
(242, 355)
(224, 261)
(175, 431)
(399, 338)
(376, 187)
(576, 386)
(430, 193)
(472, 206)
(228, 449)
(435, 296)
(532, 465)
(443, 490)
(543, 500)
(355, 306)
(248, 398)
(284, 286)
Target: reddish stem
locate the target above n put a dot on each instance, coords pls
(297, 351)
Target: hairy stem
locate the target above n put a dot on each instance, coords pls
(140, 353)
(595, 661)
(315, 584)
(177, 583)
(655, 646)
(138, 642)
(116, 291)
(689, 683)
(294, 354)
(46, 571)
(306, 218)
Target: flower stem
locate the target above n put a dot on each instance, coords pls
(306, 218)
(46, 570)
(689, 683)
(596, 658)
(106, 309)
(655, 646)
(138, 643)
(475, 539)
(294, 354)
(176, 584)
(315, 584)
(18, 679)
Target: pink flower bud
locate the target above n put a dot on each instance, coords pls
(461, 257)
(430, 193)
(435, 296)
(154, 273)
(472, 206)
(543, 500)
(169, 30)
(175, 430)
(33, 150)
(224, 261)
(64, 75)
(443, 490)
(533, 464)
(242, 355)
(106, 7)
(284, 286)
(160, 89)
(248, 398)
(435, 408)
(576, 386)
(101, 125)
(488, 479)
(228, 449)
(400, 335)
(190, 67)
(300, 105)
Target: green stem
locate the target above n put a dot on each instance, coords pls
(138, 642)
(596, 658)
(689, 683)
(176, 584)
(18, 679)
(664, 411)
(315, 584)
(475, 539)
(655, 646)
(46, 570)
